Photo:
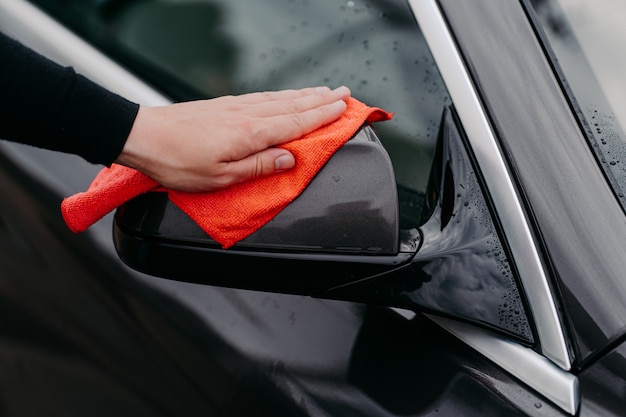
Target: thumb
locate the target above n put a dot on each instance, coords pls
(266, 162)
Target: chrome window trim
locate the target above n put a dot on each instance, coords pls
(497, 178)
(557, 385)
(546, 374)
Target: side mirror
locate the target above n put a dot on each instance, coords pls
(343, 228)
(341, 239)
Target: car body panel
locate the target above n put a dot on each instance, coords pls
(87, 335)
(603, 384)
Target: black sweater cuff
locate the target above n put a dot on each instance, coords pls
(96, 122)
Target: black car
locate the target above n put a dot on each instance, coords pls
(470, 261)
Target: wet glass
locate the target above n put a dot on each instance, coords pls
(193, 49)
(588, 38)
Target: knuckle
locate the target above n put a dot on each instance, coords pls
(221, 181)
(258, 166)
(299, 122)
(269, 96)
(292, 106)
(255, 131)
(248, 129)
(221, 178)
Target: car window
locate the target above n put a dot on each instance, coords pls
(587, 39)
(192, 49)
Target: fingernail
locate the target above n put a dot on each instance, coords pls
(343, 89)
(284, 162)
(321, 90)
(339, 106)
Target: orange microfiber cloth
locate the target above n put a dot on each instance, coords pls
(234, 213)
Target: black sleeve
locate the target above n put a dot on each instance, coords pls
(49, 106)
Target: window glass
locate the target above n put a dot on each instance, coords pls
(587, 38)
(196, 48)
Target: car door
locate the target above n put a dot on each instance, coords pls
(297, 355)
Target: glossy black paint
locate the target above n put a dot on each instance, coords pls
(82, 335)
(578, 221)
(603, 385)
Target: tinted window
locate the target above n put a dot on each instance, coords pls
(587, 38)
(191, 48)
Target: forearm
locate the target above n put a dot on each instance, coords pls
(49, 106)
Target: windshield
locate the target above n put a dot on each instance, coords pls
(588, 39)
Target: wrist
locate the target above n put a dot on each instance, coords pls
(135, 151)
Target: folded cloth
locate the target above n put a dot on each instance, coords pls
(232, 214)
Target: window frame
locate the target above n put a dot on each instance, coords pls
(547, 371)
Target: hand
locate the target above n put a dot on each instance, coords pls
(207, 145)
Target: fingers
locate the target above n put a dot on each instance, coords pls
(300, 103)
(281, 129)
(280, 121)
(264, 97)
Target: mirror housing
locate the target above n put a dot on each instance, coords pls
(343, 228)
